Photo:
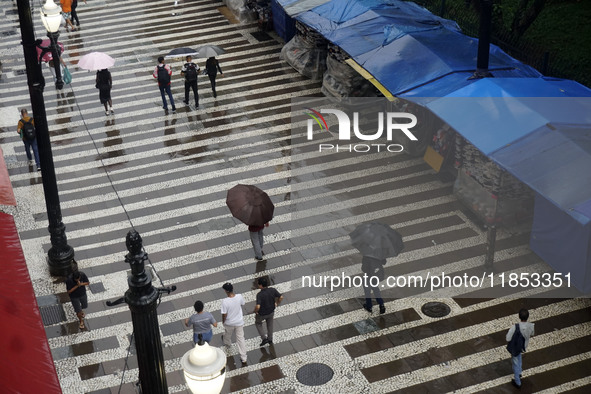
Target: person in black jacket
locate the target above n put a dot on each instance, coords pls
(212, 66)
(190, 71)
(373, 267)
(104, 83)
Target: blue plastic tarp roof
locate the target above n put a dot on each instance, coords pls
(421, 57)
(399, 43)
(537, 129)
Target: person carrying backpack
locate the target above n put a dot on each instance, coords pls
(518, 339)
(190, 71)
(162, 73)
(104, 83)
(26, 130)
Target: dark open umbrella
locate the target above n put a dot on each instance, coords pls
(377, 240)
(180, 52)
(250, 205)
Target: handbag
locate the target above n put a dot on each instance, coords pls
(67, 76)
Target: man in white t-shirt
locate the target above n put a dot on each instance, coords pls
(233, 320)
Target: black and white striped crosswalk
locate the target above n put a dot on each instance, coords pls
(167, 175)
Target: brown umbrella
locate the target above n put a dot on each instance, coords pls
(250, 205)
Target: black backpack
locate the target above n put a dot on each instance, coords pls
(517, 343)
(163, 76)
(191, 72)
(29, 130)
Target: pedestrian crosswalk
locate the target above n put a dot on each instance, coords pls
(167, 175)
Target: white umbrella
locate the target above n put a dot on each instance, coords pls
(96, 61)
(209, 51)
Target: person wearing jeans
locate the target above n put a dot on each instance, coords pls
(527, 330)
(28, 144)
(256, 237)
(201, 323)
(163, 85)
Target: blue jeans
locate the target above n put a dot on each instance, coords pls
(28, 146)
(206, 336)
(516, 363)
(167, 90)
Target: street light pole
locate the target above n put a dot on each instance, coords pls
(142, 299)
(60, 255)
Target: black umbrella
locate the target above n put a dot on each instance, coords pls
(377, 240)
(180, 52)
(250, 205)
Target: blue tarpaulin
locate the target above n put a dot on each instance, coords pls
(545, 142)
(399, 43)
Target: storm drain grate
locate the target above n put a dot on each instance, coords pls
(436, 309)
(52, 314)
(314, 374)
(261, 36)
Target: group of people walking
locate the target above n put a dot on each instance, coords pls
(190, 71)
(267, 299)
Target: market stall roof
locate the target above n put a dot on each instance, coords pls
(538, 129)
(26, 365)
(402, 45)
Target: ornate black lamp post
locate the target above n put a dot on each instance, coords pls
(60, 255)
(142, 299)
(51, 16)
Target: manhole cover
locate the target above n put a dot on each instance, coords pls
(314, 374)
(436, 309)
(52, 314)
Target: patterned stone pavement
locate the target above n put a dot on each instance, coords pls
(167, 175)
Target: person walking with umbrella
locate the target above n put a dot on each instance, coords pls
(373, 268)
(212, 66)
(376, 242)
(104, 83)
(256, 237)
(190, 71)
(254, 208)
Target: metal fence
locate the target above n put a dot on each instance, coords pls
(466, 14)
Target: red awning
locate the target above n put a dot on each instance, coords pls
(6, 194)
(26, 364)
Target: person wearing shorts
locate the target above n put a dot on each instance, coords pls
(76, 286)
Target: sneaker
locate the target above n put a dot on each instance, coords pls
(38, 168)
(367, 307)
(258, 258)
(174, 110)
(244, 363)
(107, 113)
(514, 383)
(112, 111)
